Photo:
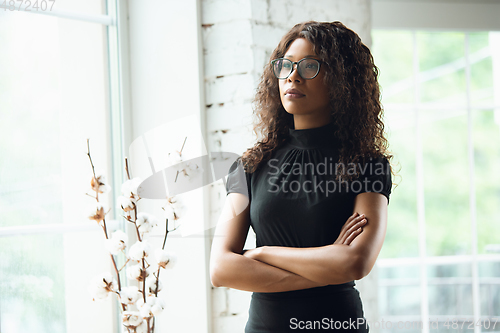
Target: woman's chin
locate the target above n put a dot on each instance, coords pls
(295, 111)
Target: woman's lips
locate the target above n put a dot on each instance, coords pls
(293, 93)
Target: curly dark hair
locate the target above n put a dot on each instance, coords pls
(350, 73)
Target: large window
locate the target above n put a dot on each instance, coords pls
(441, 258)
(55, 88)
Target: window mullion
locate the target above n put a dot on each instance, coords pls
(424, 298)
(476, 306)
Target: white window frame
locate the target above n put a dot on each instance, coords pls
(116, 57)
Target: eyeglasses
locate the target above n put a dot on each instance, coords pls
(308, 68)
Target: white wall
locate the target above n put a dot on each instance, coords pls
(165, 85)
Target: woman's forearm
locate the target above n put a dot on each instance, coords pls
(331, 264)
(235, 271)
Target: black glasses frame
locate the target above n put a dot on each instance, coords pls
(297, 67)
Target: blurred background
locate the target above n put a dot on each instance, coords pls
(112, 70)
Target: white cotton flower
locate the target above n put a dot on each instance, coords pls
(174, 209)
(114, 246)
(99, 183)
(117, 242)
(158, 306)
(126, 204)
(104, 188)
(145, 222)
(144, 308)
(102, 285)
(165, 259)
(97, 212)
(120, 235)
(131, 318)
(97, 293)
(139, 250)
(145, 228)
(130, 188)
(136, 272)
(129, 295)
(154, 306)
(151, 285)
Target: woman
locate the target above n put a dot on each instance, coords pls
(315, 189)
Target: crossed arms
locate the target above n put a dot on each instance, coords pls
(276, 268)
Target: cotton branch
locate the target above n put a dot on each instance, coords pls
(104, 228)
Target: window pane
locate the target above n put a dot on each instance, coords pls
(481, 72)
(449, 298)
(490, 299)
(463, 270)
(446, 184)
(400, 300)
(489, 277)
(32, 284)
(30, 166)
(402, 235)
(487, 179)
(52, 98)
(442, 68)
(44, 280)
(53, 91)
(489, 269)
(399, 292)
(396, 80)
(450, 289)
(395, 65)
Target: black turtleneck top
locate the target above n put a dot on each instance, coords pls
(294, 198)
(295, 201)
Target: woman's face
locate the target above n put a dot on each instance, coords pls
(312, 100)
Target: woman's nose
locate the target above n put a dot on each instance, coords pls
(294, 75)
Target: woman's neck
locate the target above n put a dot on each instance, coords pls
(305, 122)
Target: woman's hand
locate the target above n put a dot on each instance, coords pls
(351, 229)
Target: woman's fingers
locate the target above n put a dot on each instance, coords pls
(348, 222)
(352, 221)
(356, 226)
(353, 235)
(352, 217)
(352, 228)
